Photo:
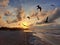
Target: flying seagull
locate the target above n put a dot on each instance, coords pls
(38, 7)
(28, 17)
(45, 21)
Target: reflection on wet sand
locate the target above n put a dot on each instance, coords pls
(51, 36)
(29, 37)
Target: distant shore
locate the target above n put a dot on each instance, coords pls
(11, 29)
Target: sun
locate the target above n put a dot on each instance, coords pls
(24, 25)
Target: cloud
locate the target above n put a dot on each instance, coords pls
(52, 15)
(46, 26)
(4, 3)
(41, 14)
(7, 13)
(21, 14)
(12, 15)
(9, 16)
(55, 15)
(33, 13)
(2, 22)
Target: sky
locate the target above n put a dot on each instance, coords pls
(29, 7)
(31, 4)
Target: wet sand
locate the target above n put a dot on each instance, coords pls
(49, 36)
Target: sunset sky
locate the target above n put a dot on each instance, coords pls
(31, 4)
(50, 8)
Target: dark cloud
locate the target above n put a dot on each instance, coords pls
(55, 15)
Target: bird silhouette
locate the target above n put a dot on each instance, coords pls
(38, 7)
(52, 5)
(28, 17)
(46, 21)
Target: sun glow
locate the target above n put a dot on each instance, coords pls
(27, 23)
(24, 25)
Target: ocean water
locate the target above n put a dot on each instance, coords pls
(51, 36)
(11, 38)
(36, 37)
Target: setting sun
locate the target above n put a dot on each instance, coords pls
(24, 25)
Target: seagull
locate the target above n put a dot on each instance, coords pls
(28, 17)
(52, 5)
(46, 21)
(38, 7)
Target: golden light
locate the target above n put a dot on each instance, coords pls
(24, 25)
